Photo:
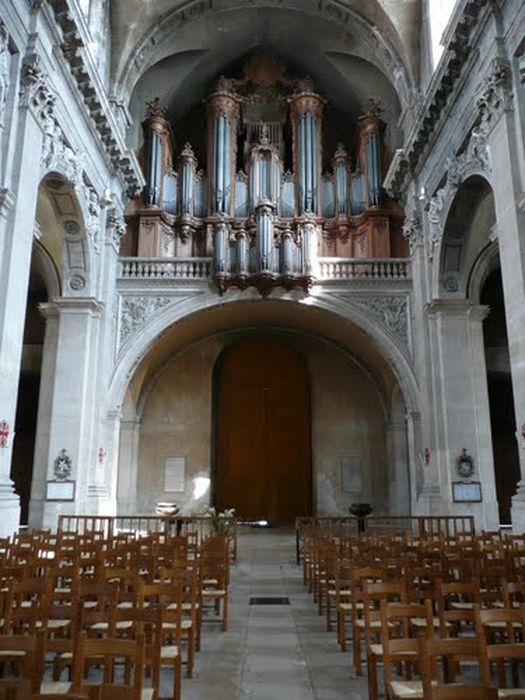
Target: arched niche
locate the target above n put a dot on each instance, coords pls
(60, 227)
(468, 231)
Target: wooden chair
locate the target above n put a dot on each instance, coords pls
(501, 632)
(105, 652)
(403, 649)
(27, 654)
(368, 625)
(215, 573)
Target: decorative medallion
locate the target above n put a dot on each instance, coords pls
(63, 465)
(465, 464)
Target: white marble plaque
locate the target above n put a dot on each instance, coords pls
(60, 491)
(466, 491)
(174, 474)
(351, 480)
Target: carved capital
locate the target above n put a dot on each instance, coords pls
(115, 227)
(495, 93)
(35, 92)
(413, 230)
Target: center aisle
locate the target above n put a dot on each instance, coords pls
(271, 652)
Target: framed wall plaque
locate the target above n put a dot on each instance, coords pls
(174, 474)
(60, 490)
(351, 481)
(466, 491)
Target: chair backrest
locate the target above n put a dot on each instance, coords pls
(27, 652)
(447, 649)
(406, 647)
(106, 652)
(509, 623)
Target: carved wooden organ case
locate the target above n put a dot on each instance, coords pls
(263, 224)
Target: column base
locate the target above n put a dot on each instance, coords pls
(518, 509)
(10, 510)
(429, 501)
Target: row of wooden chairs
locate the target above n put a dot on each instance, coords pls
(78, 591)
(357, 577)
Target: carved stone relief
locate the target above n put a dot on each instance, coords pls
(135, 311)
(5, 67)
(390, 310)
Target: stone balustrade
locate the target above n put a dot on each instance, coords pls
(338, 269)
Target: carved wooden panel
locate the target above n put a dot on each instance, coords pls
(263, 431)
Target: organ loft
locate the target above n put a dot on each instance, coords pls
(268, 200)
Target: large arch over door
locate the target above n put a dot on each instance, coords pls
(262, 421)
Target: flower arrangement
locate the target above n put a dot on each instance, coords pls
(221, 521)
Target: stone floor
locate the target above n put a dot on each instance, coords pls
(270, 652)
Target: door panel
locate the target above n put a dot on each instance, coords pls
(263, 427)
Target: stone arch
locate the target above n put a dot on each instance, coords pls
(75, 259)
(352, 319)
(452, 232)
(47, 269)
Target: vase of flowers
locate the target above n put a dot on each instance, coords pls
(221, 521)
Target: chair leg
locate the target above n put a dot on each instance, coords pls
(190, 657)
(357, 650)
(177, 674)
(225, 614)
(372, 677)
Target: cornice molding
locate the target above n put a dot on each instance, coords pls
(458, 56)
(94, 97)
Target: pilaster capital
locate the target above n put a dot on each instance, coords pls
(479, 312)
(72, 305)
(35, 91)
(495, 92)
(450, 307)
(413, 230)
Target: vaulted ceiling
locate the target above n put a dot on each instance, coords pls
(383, 32)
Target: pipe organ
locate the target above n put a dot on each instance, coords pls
(264, 211)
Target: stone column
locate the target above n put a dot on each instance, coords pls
(67, 404)
(461, 406)
(496, 105)
(17, 215)
(128, 465)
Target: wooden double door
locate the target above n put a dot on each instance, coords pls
(263, 431)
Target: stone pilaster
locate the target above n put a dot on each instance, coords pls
(461, 407)
(497, 106)
(67, 406)
(128, 465)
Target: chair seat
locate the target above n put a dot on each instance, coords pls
(120, 625)
(407, 689)
(421, 622)
(376, 649)
(50, 687)
(215, 593)
(511, 693)
(169, 652)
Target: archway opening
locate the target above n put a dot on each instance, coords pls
(29, 384)
(262, 429)
(502, 416)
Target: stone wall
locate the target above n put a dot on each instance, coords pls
(347, 421)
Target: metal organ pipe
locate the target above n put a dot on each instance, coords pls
(223, 113)
(264, 232)
(306, 112)
(153, 169)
